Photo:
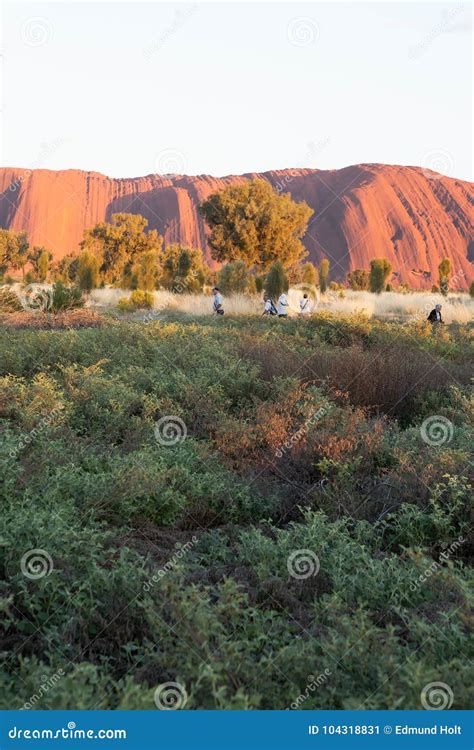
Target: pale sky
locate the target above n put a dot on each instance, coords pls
(132, 88)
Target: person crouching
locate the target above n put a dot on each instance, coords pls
(435, 316)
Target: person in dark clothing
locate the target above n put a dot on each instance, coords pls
(435, 315)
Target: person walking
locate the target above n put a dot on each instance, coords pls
(217, 301)
(282, 305)
(305, 305)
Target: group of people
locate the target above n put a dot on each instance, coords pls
(280, 308)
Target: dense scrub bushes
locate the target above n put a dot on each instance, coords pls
(170, 562)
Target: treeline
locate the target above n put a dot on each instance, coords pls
(255, 233)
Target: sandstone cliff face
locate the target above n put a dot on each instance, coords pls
(410, 216)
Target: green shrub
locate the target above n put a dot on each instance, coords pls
(65, 298)
(138, 299)
(173, 562)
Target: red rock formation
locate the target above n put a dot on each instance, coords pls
(409, 215)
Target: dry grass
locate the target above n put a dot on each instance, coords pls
(457, 308)
(192, 304)
(49, 321)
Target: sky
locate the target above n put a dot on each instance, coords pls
(130, 88)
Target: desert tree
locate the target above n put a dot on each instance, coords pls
(309, 274)
(358, 279)
(323, 275)
(65, 269)
(276, 280)
(183, 269)
(87, 276)
(234, 278)
(40, 259)
(252, 223)
(380, 270)
(444, 275)
(118, 244)
(146, 271)
(14, 248)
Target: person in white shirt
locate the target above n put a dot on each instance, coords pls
(217, 301)
(305, 305)
(269, 308)
(282, 306)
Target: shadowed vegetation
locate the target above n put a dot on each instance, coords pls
(173, 562)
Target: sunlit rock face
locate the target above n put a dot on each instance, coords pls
(409, 215)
